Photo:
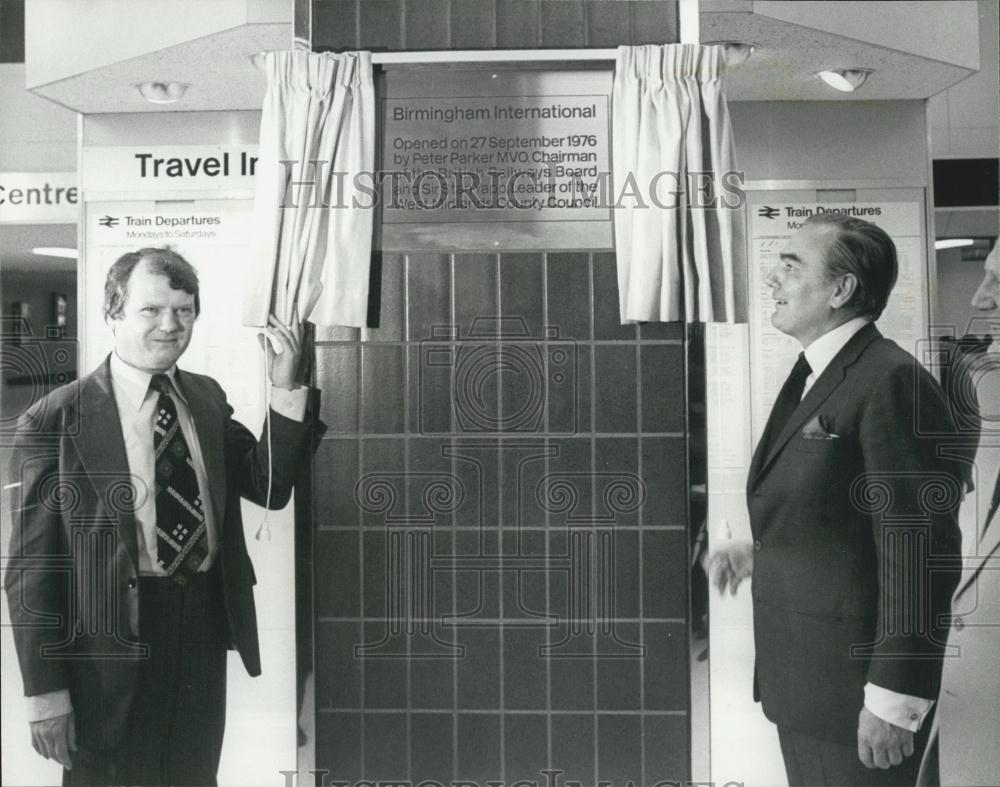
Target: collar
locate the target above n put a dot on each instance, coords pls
(825, 348)
(134, 383)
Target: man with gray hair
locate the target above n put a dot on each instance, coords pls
(852, 509)
(128, 577)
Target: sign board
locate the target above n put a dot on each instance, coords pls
(771, 225)
(485, 159)
(168, 167)
(38, 198)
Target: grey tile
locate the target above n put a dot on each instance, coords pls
(476, 294)
(392, 301)
(664, 473)
(664, 392)
(338, 578)
(569, 292)
(624, 546)
(477, 467)
(618, 673)
(665, 573)
(522, 292)
(428, 278)
(523, 468)
(385, 678)
(431, 683)
(479, 669)
(338, 745)
(572, 678)
(383, 384)
(385, 752)
(431, 747)
(478, 748)
(380, 24)
(615, 387)
(665, 666)
(431, 378)
(655, 22)
(608, 24)
(337, 377)
(525, 681)
(477, 590)
(573, 747)
(667, 743)
(524, 591)
(525, 748)
(374, 576)
(569, 387)
(562, 24)
(518, 24)
(619, 488)
(338, 680)
(381, 492)
(472, 24)
(567, 494)
(427, 24)
(662, 330)
(619, 750)
(607, 311)
(334, 25)
(333, 495)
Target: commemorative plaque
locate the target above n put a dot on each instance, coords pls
(485, 159)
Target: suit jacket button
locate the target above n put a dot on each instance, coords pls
(958, 624)
(757, 545)
(132, 582)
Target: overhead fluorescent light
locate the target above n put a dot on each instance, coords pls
(846, 80)
(56, 251)
(952, 243)
(162, 92)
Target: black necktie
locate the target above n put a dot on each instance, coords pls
(181, 535)
(788, 399)
(994, 504)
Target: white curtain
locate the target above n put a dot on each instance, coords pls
(312, 255)
(679, 257)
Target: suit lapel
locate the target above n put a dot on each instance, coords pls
(827, 383)
(208, 424)
(987, 549)
(97, 436)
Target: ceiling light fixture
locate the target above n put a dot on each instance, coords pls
(162, 92)
(846, 80)
(735, 52)
(56, 251)
(952, 243)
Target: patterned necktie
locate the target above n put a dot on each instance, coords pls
(788, 399)
(181, 535)
(994, 504)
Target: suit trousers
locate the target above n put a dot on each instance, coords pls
(174, 731)
(814, 762)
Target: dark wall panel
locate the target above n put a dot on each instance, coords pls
(382, 25)
(500, 519)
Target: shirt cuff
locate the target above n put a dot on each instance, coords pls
(49, 705)
(899, 709)
(290, 403)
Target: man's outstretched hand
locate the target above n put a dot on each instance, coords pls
(55, 739)
(730, 564)
(881, 744)
(283, 366)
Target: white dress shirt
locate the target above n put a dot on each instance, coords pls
(137, 412)
(891, 706)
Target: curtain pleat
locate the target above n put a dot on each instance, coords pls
(313, 225)
(681, 255)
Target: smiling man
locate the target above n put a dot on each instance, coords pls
(850, 506)
(128, 575)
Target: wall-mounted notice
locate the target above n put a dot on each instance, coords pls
(772, 224)
(38, 198)
(497, 156)
(153, 168)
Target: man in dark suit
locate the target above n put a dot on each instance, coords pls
(128, 575)
(963, 744)
(851, 506)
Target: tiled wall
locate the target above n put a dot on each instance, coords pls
(500, 546)
(489, 24)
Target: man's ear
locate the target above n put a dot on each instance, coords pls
(847, 284)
